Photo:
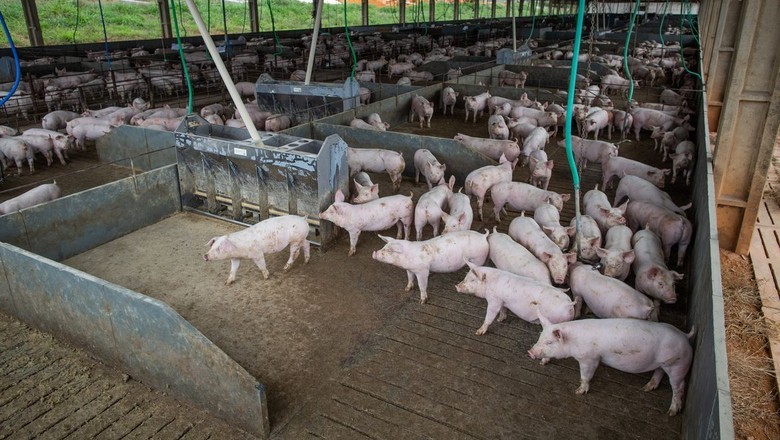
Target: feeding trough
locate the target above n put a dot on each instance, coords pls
(222, 169)
(306, 102)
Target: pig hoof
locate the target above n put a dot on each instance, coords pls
(480, 331)
(583, 389)
(650, 386)
(228, 282)
(266, 274)
(351, 252)
(544, 361)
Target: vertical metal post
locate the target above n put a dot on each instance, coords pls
(509, 7)
(165, 18)
(431, 11)
(254, 19)
(541, 7)
(476, 8)
(364, 11)
(492, 8)
(456, 10)
(402, 12)
(520, 8)
(33, 23)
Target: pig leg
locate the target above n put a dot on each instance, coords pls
(435, 228)
(353, 239)
(234, 263)
(417, 175)
(502, 315)
(419, 224)
(428, 121)
(306, 251)
(410, 281)
(480, 202)
(295, 250)
(681, 253)
(49, 158)
(658, 374)
(260, 262)
(587, 370)
(422, 281)
(677, 380)
(58, 152)
(493, 309)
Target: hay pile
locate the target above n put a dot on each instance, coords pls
(754, 394)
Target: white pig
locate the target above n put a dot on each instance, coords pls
(629, 345)
(539, 169)
(527, 232)
(448, 99)
(460, 216)
(253, 243)
(16, 150)
(617, 254)
(549, 219)
(620, 166)
(58, 119)
(608, 297)
(476, 105)
(640, 190)
(653, 277)
(523, 197)
(479, 181)
(492, 148)
(87, 128)
(376, 120)
(443, 254)
(365, 189)
(683, 160)
(525, 297)
(588, 237)
(536, 140)
(590, 150)
(597, 206)
(430, 207)
(497, 128)
(671, 227)
(423, 109)
(509, 255)
(425, 162)
(35, 196)
(376, 215)
(376, 160)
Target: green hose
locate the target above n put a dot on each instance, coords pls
(682, 55)
(349, 41)
(273, 28)
(533, 22)
(661, 29)
(625, 54)
(183, 62)
(570, 97)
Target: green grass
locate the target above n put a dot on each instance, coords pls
(140, 21)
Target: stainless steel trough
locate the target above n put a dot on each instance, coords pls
(220, 169)
(306, 102)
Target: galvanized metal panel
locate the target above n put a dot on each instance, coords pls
(62, 301)
(7, 305)
(73, 224)
(332, 175)
(142, 336)
(147, 148)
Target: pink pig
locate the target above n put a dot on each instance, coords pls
(653, 278)
(521, 196)
(549, 219)
(253, 243)
(671, 227)
(492, 148)
(460, 216)
(617, 254)
(443, 254)
(608, 297)
(479, 181)
(640, 190)
(620, 166)
(525, 297)
(376, 215)
(509, 255)
(597, 206)
(629, 345)
(365, 189)
(527, 232)
(430, 206)
(427, 164)
(376, 160)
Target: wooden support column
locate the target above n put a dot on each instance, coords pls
(254, 19)
(402, 11)
(745, 77)
(33, 23)
(165, 18)
(456, 10)
(363, 11)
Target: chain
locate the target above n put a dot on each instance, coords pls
(590, 43)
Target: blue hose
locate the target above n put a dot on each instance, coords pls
(105, 35)
(16, 62)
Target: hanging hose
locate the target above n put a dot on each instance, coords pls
(16, 62)
(183, 62)
(349, 41)
(208, 14)
(533, 22)
(625, 55)
(182, 20)
(569, 113)
(694, 30)
(277, 44)
(224, 24)
(661, 30)
(682, 55)
(105, 35)
(78, 14)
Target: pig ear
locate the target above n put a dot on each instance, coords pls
(623, 207)
(451, 183)
(571, 257)
(594, 241)
(545, 257)
(544, 321)
(604, 211)
(375, 188)
(444, 216)
(653, 272)
(677, 276)
(547, 229)
(462, 217)
(666, 172)
(443, 167)
(558, 335)
(357, 185)
(565, 197)
(629, 256)
(211, 242)
(601, 252)
(549, 164)
(571, 230)
(339, 196)
(385, 239)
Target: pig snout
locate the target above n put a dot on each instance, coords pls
(532, 354)
(205, 257)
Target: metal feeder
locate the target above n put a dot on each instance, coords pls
(222, 169)
(306, 102)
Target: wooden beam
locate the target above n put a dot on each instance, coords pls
(165, 18)
(33, 23)
(254, 19)
(749, 116)
(364, 11)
